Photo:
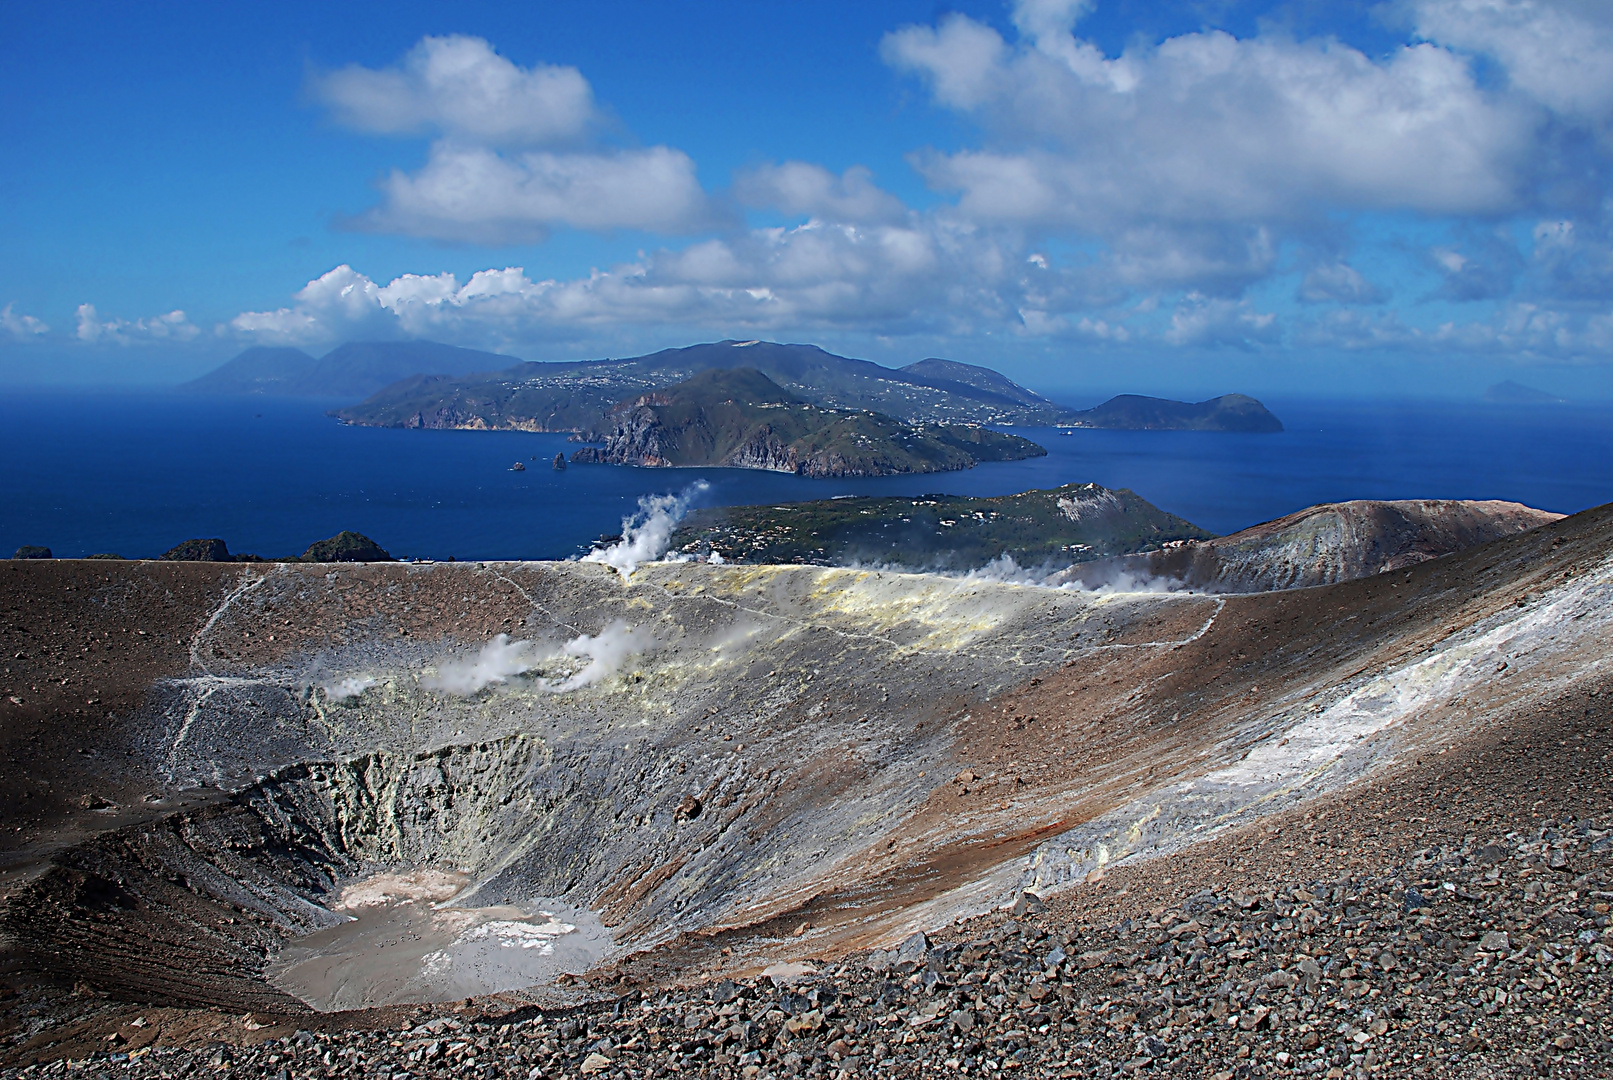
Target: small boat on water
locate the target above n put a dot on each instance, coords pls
(519, 466)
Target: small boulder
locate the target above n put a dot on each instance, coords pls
(807, 1022)
(33, 551)
(199, 550)
(1495, 941)
(346, 546)
(1029, 904)
(913, 948)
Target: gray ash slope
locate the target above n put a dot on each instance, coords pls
(1324, 544)
(726, 799)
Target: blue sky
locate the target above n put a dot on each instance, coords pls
(1179, 198)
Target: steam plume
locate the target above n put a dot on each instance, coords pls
(645, 534)
(495, 663)
(1005, 570)
(605, 653)
(501, 658)
(349, 687)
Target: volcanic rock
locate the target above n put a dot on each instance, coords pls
(346, 546)
(200, 550)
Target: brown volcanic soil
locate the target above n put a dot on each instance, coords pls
(83, 640)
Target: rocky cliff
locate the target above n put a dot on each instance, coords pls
(742, 419)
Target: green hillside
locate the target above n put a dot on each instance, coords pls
(1064, 525)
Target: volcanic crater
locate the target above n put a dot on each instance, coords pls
(555, 780)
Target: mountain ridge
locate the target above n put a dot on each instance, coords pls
(566, 396)
(352, 369)
(533, 396)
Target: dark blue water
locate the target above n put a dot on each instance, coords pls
(137, 473)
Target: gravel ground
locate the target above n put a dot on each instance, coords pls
(1449, 918)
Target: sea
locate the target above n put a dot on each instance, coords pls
(135, 473)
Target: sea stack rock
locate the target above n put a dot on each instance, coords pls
(560, 462)
(33, 551)
(346, 546)
(199, 550)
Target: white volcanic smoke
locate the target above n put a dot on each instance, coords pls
(1005, 570)
(605, 653)
(498, 660)
(1125, 581)
(501, 658)
(349, 687)
(645, 534)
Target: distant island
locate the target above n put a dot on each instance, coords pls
(1515, 393)
(1132, 412)
(345, 546)
(422, 384)
(575, 396)
(1052, 528)
(354, 370)
(741, 418)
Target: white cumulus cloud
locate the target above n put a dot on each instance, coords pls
(517, 152)
(1555, 52)
(21, 327)
(1340, 283)
(799, 187)
(172, 327)
(1201, 320)
(1207, 127)
(460, 86)
(479, 194)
